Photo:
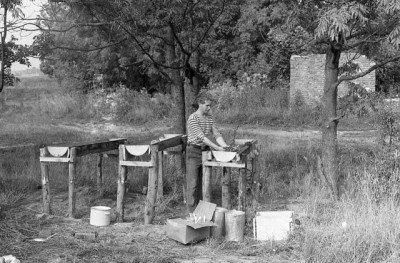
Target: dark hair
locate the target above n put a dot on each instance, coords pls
(201, 98)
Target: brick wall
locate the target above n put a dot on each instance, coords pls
(307, 76)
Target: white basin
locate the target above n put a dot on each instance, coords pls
(57, 151)
(222, 156)
(137, 150)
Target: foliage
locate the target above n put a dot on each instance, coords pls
(249, 100)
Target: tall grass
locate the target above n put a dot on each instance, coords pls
(369, 206)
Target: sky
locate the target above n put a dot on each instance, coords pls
(31, 9)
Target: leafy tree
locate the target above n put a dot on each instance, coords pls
(162, 37)
(12, 20)
(368, 27)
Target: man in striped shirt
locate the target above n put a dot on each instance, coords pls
(200, 125)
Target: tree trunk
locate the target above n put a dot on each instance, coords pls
(192, 82)
(196, 77)
(330, 121)
(3, 47)
(177, 90)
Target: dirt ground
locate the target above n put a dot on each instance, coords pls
(75, 240)
(133, 241)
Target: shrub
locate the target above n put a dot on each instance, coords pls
(249, 100)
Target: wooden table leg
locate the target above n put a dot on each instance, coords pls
(242, 188)
(183, 174)
(122, 174)
(160, 183)
(226, 188)
(206, 187)
(44, 167)
(71, 188)
(152, 188)
(100, 189)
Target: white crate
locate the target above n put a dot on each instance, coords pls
(272, 225)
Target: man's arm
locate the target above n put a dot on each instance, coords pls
(220, 140)
(218, 136)
(213, 145)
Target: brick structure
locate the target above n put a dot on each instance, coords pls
(307, 76)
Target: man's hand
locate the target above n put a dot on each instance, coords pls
(231, 148)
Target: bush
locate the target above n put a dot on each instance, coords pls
(249, 101)
(130, 106)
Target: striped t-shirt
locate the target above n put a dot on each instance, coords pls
(199, 127)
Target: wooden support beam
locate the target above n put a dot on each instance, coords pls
(136, 163)
(100, 188)
(54, 159)
(71, 188)
(256, 180)
(167, 143)
(183, 173)
(226, 188)
(222, 164)
(242, 188)
(160, 183)
(152, 187)
(94, 146)
(207, 170)
(122, 175)
(44, 168)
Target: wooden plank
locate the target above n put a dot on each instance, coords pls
(137, 163)
(221, 164)
(55, 159)
(207, 170)
(183, 174)
(244, 150)
(45, 184)
(104, 146)
(226, 188)
(122, 175)
(242, 189)
(160, 190)
(152, 187)
(256, 181)
(166, 143)
(87, 143)
(100, 188)
(71, 188)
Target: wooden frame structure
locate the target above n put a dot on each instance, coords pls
(155, 165)
(68, 153)
(247, 152)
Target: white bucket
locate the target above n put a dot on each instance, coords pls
(100, 215)
(234, 225)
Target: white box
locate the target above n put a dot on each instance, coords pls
(272, 225)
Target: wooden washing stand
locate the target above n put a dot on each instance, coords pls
(247, 153)
(157, 148)
(68, 153)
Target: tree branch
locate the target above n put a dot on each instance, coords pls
(362, 74)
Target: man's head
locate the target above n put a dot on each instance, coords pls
(203, 102)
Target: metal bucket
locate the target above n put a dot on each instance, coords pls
(100, 215)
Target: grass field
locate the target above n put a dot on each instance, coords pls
(362, 226)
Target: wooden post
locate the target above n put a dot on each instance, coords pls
(207, 170)
(122, 173)
(242, 187)
(160, 183)
(45, 183)
(226, 188)
(183, 172)
(256, 180)
(100, 189)
(72, 176)
(152, 187)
